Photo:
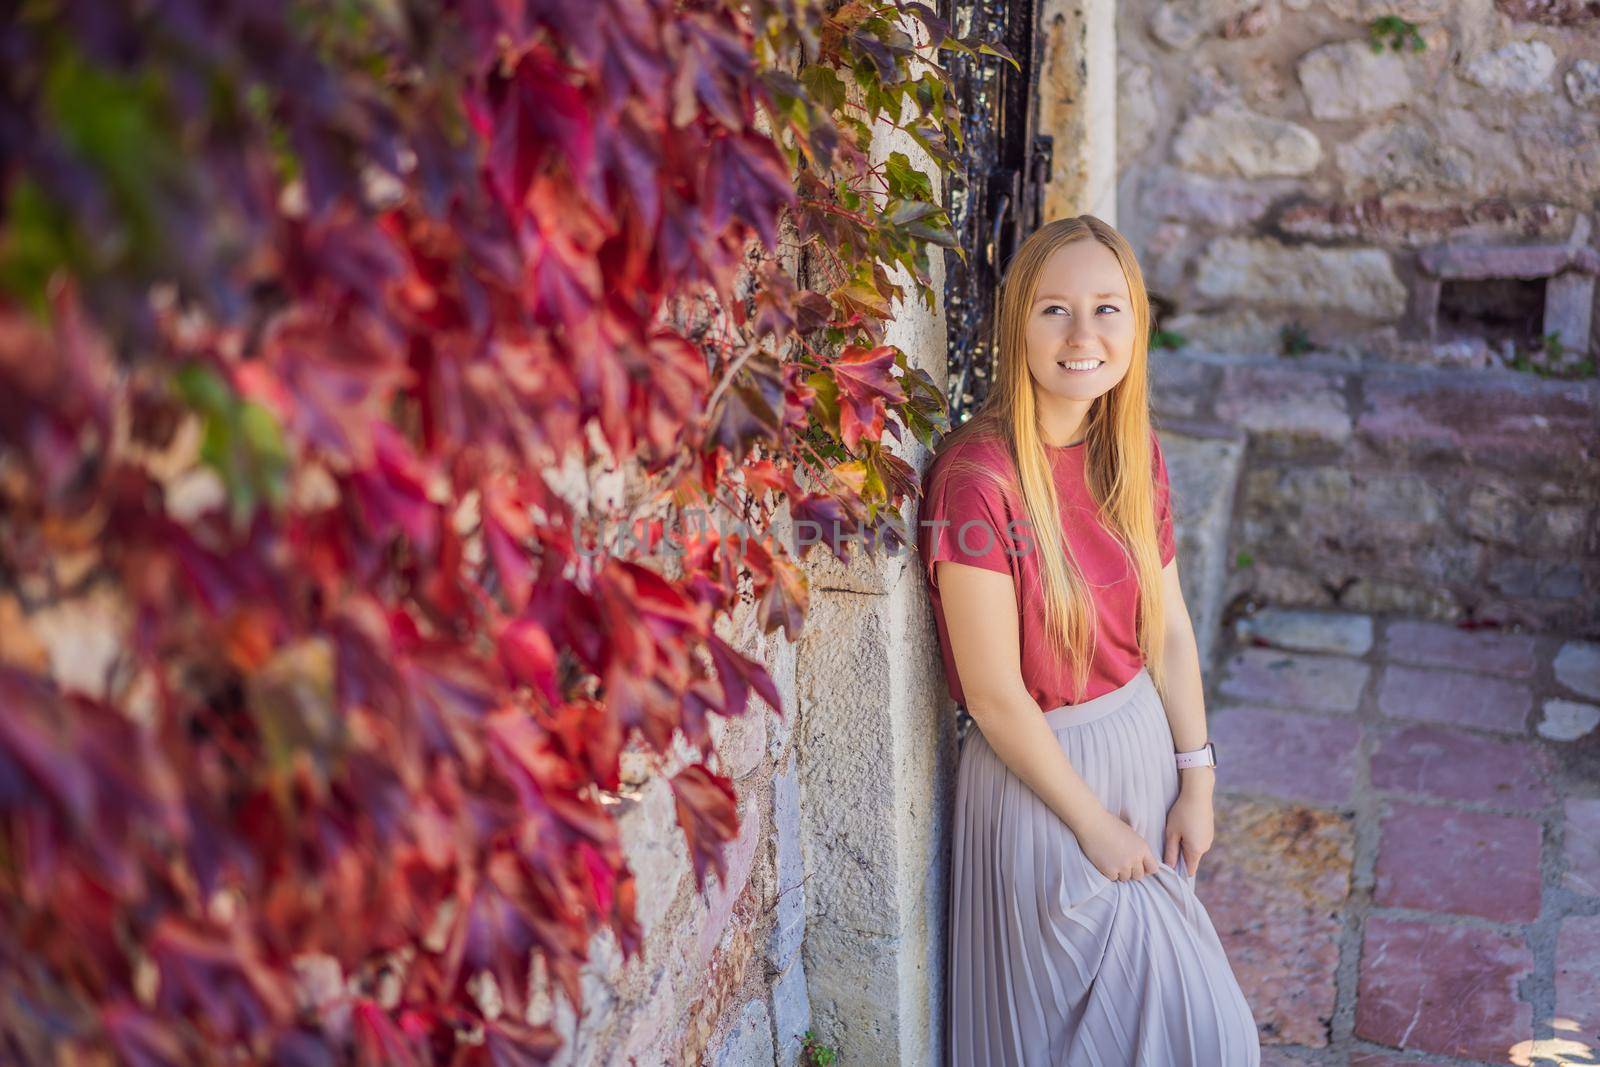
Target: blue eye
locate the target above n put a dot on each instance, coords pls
(1058, 307)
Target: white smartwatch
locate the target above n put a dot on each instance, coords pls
(1205, 756)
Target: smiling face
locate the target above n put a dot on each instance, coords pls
(1081, 317)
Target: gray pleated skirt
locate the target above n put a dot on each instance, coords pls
(1053, 963)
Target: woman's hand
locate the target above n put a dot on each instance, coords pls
(1191, 825)
(1116, 849)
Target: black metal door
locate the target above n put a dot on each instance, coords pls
(994, 202)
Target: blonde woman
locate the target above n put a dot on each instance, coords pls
(1084, 794)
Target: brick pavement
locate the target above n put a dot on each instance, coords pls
(1407, 862)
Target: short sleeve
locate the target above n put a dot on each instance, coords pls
(1166, 539)
(964, 522)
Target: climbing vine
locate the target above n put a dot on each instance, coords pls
(320, 324)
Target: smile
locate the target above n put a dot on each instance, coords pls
(1079, 364)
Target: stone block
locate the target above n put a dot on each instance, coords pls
(1204, 471)
(1578, 975)
(749, 1042)
(1450, 990)
(716, 906)
(655, 849)
(791, 1013)
(1583, 83)
(1434, 644)
(1181, 24)
(789, 921)
(1577, 666)
(1334, 632)
(1493, 421)
(1294, 679)
(1481, 262)
(1347, 79)
(1409, 220)
(1520, 68)
(1288, 755)
(1569, 309)
(1444, 696)
(1581, 851)
(1451, 764)
(1275, 885)
(1287, 410)
(1567, 720)
(1232, 140)
(1360, 281)
(1445, 859)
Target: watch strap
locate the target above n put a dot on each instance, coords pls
(1204, 756)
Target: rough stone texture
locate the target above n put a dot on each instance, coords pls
(1581, 855)
(1181, 23)
(1493, 422)
(1444, 859)
(791, 1013)
(1138, 110)
(1450, 764)
(1232, 140)
(1183, 196)
(1569, 309)
(654, 846)
(788, 927)
(1520, 68)
(1410, 10)
(1423, 218)
(1291, 756)
(1294, 680)
(1450, 697)
(1337, 633)
(1288, 409)
(1275, 884)
(1203, 471)
(1348, 79)
(1577, 666)
(1567, 720)
(749, 1042)
(871, 743)
(1583, 83)
(1434, 645)
(1578, 971)
(1445, 989)
(1077, 103)
(1406, 155)
(1360, 281)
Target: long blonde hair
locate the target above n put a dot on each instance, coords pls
(1119, 464)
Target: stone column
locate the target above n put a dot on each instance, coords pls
(875, 743)
(1078, 106)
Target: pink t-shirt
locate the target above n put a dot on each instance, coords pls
(1116, 657)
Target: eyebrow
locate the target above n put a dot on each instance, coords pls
(1097, 296)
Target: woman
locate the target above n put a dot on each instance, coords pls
(1076, 937)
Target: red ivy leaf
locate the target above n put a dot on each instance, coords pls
(708, 811)
(865, 385)
(738, 674)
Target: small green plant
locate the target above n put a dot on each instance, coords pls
(813, 1053)
(1550, 358)
(1394, 31)
(1243, 559)
(1167, 339)
(1293, 340)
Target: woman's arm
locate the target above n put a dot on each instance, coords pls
(980, 612)
(1184, 693)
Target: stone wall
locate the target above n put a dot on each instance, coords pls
(1277, 172)
(1381, 266)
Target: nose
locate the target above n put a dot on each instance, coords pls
(1079, 331)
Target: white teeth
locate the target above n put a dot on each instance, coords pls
(1083, 364)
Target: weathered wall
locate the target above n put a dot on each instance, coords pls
(1277, 171)
(1363, 252)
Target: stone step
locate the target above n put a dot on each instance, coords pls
(1205, 461)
